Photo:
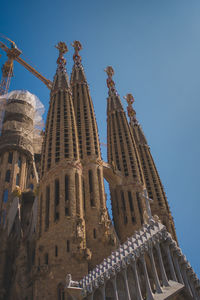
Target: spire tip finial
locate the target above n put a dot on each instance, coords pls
(131, 112)
(77, 47)
(110, 83)
(62, 47)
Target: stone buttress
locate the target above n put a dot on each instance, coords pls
(126, 197)
(159, 205)
(100, 236)
(61, 244)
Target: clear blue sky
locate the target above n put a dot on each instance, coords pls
(154, 47)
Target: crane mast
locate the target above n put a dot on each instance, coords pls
(13, 53)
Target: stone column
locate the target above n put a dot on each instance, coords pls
(148, 286)
(115, 288)
(162, 269)
(139, 294)
(103, 292)
(177, 267)
(172, 271)
(126, 285)
(90, 297)
(155, 274)
(183, 269)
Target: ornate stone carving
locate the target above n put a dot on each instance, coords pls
(69, 282)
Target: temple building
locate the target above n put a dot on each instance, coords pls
(58, 240)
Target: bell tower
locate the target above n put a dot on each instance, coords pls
(159, 205)
(128, 204)
(61, 244)
(100, 235)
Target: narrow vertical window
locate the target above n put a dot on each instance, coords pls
(19, 162)
(94, 233)
(61, 292)
(83, 191)
(56, 251)
(17, 179)
(100, 186)
(68, 246)
(67, 204)
(66, 188)
(5, 196)
(40, 224)
(46, 258)
(47, 207)
(56, 199)
(90, 181)
(91, 188)
(10, 157)
(123, 201)
(77, 194)
(139, 207)
(130, 200)
(131, 207)
(7, 178)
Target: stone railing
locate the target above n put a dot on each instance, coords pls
(149, 265)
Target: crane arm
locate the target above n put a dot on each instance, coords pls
(46, 81)
(14, 53)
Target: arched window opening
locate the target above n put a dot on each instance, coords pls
(5, 196)
(7, 178)
(61, 292)
(109, 290)
(10, 157)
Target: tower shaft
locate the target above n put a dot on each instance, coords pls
(127, 204)
(98, 225)
(159, 205)
(61, 245)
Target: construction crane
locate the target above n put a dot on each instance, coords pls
(13, 53)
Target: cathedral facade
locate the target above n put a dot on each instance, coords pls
(57, 238)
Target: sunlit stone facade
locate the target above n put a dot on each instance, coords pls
(58, 241)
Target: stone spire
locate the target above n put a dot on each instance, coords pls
(127, 204)
(61, 80)
(61, 244)
(159, 205)
(99, 232)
